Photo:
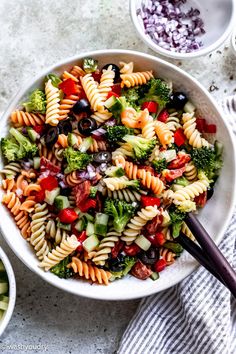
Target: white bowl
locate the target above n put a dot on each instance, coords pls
(214, 217)
(218, 17)
(233, 41)
(12, 291)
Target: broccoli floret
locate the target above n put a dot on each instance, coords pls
(176, 217)
(37, 102)
(76, 160)
(90, 65)
(132, 96)
(158, 92)
(206, 159)
(61, 269)
(127, 263)
(116, 133)
(93, 192)
(121, 212)
(9, 148)
(142, 147)
(17, 146)
(159, 165)
(54, 79)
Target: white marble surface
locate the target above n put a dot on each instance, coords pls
(33, 35)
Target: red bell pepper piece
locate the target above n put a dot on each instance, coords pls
(151, 106)
(210, 128)
(46, 165)
(179, 137)
(40, 196)
(170, 175)
(69, 87)
(87, 204)
(201, 200)
(201, 124)
(116, 89)
(81, 237)
(67, 215)
(48, 183)
(180, 161)
(39, 129)
(150, 201)
(160, 265)
(111, 93)
(132, 250)
(157, 240)
(163, 116)
(97, 75)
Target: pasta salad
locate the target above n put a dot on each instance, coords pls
(102, 165)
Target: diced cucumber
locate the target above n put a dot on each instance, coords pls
(169, 155)
(33, 135)
(189, 107)
(143, 242)
(100, 226)
(4, 298)
(87, 142)
(115, 171)
(80, 225)
(110, 102)
(3, 287)
(36, 162)
(2, 268)
(166, 218)
(154, 276)
(91, 243)
(3, 305)
(175, 247)
(90, 230)
(64, 226)
(51, 195)
(218, 148)
(89, 217)
(61, 202)
(72, 139)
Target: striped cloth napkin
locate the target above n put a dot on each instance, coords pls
(197, 316)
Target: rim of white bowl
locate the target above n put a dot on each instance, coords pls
(233, 41)
(174, 55)
(44, 72)
(12, 291)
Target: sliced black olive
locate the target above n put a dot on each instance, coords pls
(210, 192)
(51, 136)
(178, 100)
(87, 125)
(65, 191)
(116, 264)
(150, 256)
(102, 156)
(65, 127)
(81, 106)
(115, 68)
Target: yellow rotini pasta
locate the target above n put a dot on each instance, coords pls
(53, 99)
(106, 82)
(148, 130)
(125, 194)
(91, 89)
(136, 224)
(193, 135)
(101, 117)
(105, 247)
(186, 230)
(55, 232)
(88, 271)
(115, 183)
(48, 154)
(126, 68)
(191, 172)
(67, 104)
(21, 118)
(135, 79)
(167, 255)
(173, 122)
(65, 248)
(11, 169)
(124, 150)
(164, 134)
(191, 191)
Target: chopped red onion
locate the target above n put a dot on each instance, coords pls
(110, 122)
(170, 27)
(26, 165)
(63, 185)
(98, 133)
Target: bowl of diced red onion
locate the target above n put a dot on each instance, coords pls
(183, 29)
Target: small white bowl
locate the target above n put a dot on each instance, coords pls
(12, 291)
(218, 17)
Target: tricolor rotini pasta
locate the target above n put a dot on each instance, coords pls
(102, 166)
